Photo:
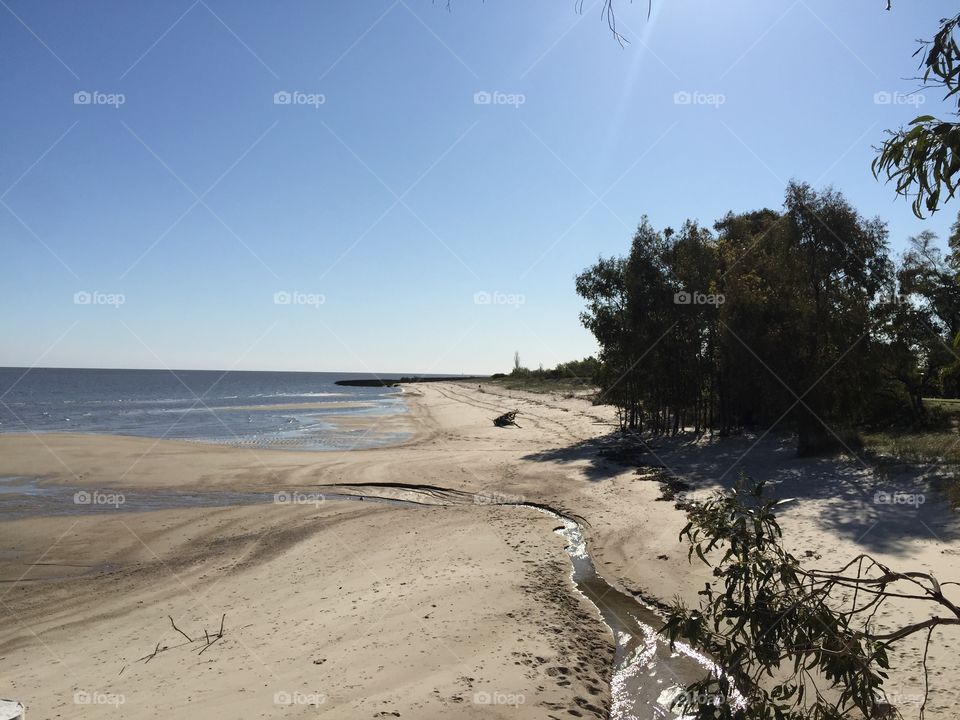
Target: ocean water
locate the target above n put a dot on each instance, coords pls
(295, 410)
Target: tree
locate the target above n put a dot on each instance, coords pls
(771, 321)
(694, 262)
(926, 321)
(746, 391)
(516, 360)
(801, 644)
(650, 320)
(833, 263)
(603, 286)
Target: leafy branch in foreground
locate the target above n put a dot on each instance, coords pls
(924, 157)
(794, 644)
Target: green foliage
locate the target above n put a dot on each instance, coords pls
(921, 323)
(787, 650)
(771, 320)
(577, 377)
(585, 370)
(923, 159)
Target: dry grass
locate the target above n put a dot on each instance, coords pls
(940, 447)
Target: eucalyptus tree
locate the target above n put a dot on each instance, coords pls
(603, 286)
(928, 307)
(833, 264)
(770, 322)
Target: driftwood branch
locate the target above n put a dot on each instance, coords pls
(204, 648)
(215, 637)
(189, 639)
(208, 640)
(151, 656)
(508, 418)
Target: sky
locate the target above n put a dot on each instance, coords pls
(392, 186)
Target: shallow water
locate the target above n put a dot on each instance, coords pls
(27, 497)
(648, 675)
(275, 410)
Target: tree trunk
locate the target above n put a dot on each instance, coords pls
(813, 437)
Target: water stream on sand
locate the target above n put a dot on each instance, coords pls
(648, 676)
(649, 679)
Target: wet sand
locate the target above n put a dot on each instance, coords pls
(343, 609)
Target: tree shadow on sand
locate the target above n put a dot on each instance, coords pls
(603, 457)
(884, 507)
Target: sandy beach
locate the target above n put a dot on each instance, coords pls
(458, 607)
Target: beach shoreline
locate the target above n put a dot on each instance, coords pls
(498, 576)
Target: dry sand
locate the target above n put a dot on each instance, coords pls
(370, 610)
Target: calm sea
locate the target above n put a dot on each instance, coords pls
(252, 409)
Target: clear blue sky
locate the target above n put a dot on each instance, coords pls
(399, 198)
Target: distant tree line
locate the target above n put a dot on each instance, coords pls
(586, 370)
(797, 318)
